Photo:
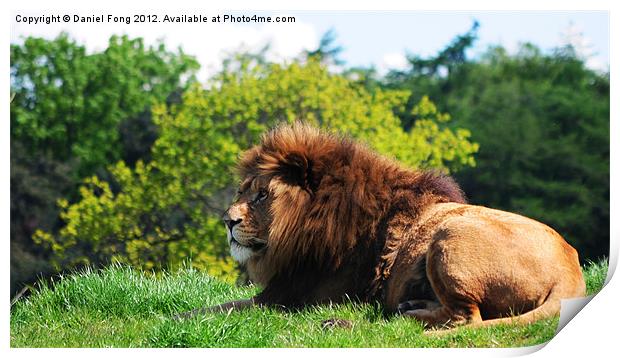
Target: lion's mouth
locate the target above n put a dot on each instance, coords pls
(255, 246)
(234, 241)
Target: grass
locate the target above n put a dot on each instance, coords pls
(120, 307)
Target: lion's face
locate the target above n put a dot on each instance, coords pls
(247, 220)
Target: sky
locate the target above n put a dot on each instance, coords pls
(379, 38)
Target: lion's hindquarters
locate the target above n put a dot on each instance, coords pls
(489, 264)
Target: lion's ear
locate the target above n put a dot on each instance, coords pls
(296, 169)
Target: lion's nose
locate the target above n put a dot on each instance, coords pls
(231, 223)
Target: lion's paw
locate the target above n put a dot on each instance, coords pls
(417, 305)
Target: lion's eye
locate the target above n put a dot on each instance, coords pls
(262, 194)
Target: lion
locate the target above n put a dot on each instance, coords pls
(321, 218)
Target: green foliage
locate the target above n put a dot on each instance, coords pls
(543, 127)
(69, 103)
(36, 183)
(595, 274)
(121, 307)
(167, 210)
(73, 113)
(542, 122)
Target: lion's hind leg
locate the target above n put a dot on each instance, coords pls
(455, 291)
(548, 309)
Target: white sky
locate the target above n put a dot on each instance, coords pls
(381, 38)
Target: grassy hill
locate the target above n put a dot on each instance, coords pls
(120, 307)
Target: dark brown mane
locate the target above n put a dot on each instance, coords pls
(331, 195)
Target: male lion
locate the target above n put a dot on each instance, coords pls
(319, 218)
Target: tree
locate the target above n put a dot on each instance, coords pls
(37, 181)
(431, 76)
(167, 211)
(72, 113)
(542, 121)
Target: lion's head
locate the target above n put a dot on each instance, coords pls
(278, 177)
(248, 219)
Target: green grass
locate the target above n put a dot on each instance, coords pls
(120, 307)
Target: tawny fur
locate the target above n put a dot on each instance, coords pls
(341, 221)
